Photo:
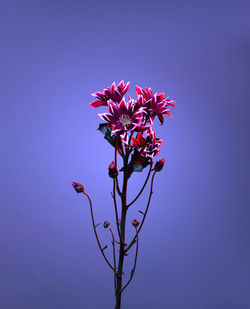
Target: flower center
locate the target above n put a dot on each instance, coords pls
(125, 120)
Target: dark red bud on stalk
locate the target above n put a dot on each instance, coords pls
(113, 172)
(159, 165)
(78, 187)
(135, 223)
(106, 224)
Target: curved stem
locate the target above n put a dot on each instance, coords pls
(149, 199)
(94, 226)
(133, 269)
(113, 244)
(145, 183)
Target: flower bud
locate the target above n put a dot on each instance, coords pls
(135, 223)
(113, 172)
(159, 165)
(106, 224)
(78, 187)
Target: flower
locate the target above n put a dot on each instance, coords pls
(124, 117)
(154, 104)
(149, 146)
(159, 165)
(114, 93)
(106, 224)
(113, 172)
(78, 187)
(135, 223)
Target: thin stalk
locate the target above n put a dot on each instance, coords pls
(113, 244)
(94, 227)
(116, 211)
(116, 178)
(145, 183)
(133, 269)
(149, 199)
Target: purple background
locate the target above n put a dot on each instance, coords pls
(194, 248)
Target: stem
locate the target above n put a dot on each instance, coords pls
(145, 183)
(133, 269)
(113, 244)
(116, 178)
(116, 211)
(94, 226)
(149, 199)
(122, 241)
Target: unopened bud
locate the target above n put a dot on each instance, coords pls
(135, 223)
(159, 165)
(113, 172)
(106, 224)
(78, 187)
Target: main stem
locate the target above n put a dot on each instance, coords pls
(122, 240)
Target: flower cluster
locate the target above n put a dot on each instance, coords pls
(128, 127)
(126, 117)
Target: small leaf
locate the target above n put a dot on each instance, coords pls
(137, 167)
(106, 129)
(141, 212)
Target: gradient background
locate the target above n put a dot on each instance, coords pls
(194, 248)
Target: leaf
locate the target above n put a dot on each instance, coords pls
(106, 129)
(137, 163)
(137, 167)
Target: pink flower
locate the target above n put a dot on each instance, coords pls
(124, 117)
(114, 93)
(154, 104)
(149, 146)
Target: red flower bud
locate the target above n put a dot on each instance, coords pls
(78, 187)
(159, 165)
(113, 172)
(106, 224)
(135, 223)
